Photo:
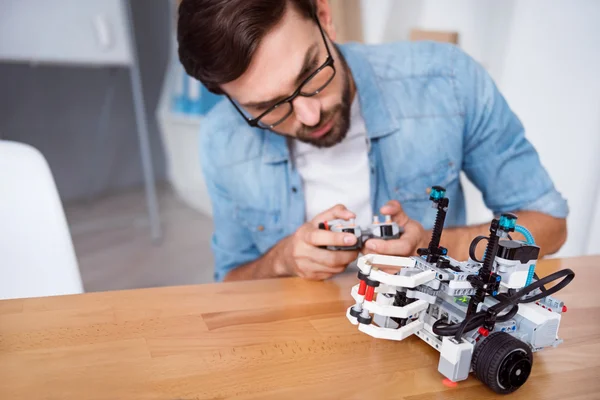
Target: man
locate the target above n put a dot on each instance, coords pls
(306, 124)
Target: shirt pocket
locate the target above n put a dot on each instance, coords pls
(265, 226)
(413, 191)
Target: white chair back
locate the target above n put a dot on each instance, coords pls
(37, 257)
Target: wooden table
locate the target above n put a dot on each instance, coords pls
(277, 339)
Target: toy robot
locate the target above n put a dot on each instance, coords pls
(484, 316)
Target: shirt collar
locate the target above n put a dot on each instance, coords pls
(377, 117)
(375, 111)
(275, 148)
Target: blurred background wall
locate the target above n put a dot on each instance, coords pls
(545, 58)
(65, 88)
(57, 106)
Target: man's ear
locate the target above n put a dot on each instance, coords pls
(325, 18)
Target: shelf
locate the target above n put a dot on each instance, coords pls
(92, 32)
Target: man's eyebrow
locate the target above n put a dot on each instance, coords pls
(310, 61)
(308, 65)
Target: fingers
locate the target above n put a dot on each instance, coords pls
(309, 261)
(333, 259)
(391, 207)
(324, 257)
(394, 208)
(327, 260)
(319, 276)
(320, 237)
(336, 212)
(309, 269)
(406, 245)
(395, 247)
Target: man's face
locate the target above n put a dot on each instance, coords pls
(286, 56)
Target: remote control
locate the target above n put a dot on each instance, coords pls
(385, 230)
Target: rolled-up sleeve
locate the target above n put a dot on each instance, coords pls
(498, 158)
(231, 242)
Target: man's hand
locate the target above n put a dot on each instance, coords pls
(414, 235)
(304, 258)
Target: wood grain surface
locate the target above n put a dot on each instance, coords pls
(273, 339)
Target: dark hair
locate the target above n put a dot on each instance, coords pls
(217, 38)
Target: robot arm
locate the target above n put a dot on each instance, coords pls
(366, 304)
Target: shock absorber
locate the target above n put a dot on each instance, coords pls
(400, 300)
(440, 201)
(487, 282)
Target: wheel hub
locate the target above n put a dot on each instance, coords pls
(515, 370)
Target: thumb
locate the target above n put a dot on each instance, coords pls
(336, 212)
(394, 208)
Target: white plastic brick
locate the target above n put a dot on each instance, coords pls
(395, 311)
(391, 334)
(403, 281)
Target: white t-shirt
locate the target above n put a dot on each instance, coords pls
(338, 174)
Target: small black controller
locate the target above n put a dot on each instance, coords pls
(377, 230)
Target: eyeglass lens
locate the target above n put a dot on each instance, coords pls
(318, 82)
(310, 88)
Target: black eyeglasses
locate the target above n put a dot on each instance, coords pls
(311, 86)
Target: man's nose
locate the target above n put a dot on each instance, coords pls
(307, 110)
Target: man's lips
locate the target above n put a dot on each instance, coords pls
(322, 131)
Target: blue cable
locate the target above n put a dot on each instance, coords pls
(525, 232)
(529, 238)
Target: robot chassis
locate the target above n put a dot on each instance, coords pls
(484, 316)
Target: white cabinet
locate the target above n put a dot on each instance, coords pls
(81, 32)
(64, 31)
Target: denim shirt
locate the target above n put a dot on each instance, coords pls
(431, 112)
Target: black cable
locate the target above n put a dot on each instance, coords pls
(476, 319)
(473, 247)
(468, 324)
(566, 274)
(543, 288)
(505, 317)
(442, 328)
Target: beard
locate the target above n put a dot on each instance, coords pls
(339, 114)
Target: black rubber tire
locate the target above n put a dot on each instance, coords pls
(502, 362)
